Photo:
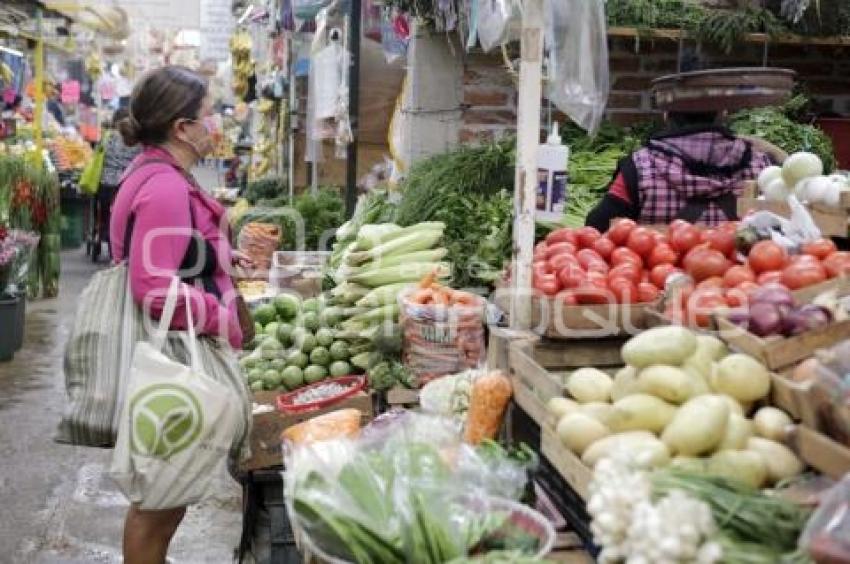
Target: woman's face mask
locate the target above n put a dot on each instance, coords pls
(196, 132)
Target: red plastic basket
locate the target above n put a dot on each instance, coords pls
(353, 384)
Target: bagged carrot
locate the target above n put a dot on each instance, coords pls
(488, 401)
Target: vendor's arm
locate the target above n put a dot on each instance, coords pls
(620, 200)
(160, 238)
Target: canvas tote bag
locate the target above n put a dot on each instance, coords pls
(177, 424)
(97, 360)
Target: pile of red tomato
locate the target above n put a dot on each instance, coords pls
(631, 264)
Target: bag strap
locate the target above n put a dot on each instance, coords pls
(161, 332)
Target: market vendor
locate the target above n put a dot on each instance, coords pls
(693, 171)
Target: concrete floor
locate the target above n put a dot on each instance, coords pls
(56, 506)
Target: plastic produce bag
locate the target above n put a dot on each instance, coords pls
(440, 340)
(408, 490)
(576, 34)
(497, 22)
(790, 233)
(308, 9)
(827, 534)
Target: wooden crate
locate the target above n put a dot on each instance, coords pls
(499, 344)
(794, 398)
(266, 446)
(401, 396)
(551, 318)
(538, 368)
(778, 353)
(820, 452)
(832, 222)
(568, 465)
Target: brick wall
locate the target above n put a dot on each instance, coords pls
(490, 93)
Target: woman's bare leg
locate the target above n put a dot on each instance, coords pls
(147, 534)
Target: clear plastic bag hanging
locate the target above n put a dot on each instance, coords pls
(576, 35)
(497, 22)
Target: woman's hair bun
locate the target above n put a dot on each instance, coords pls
(130, 130)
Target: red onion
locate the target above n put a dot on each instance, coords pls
(774, 293)
(739, 317)
(765, 319)
(806, 318)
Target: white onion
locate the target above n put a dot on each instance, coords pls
(777, 191)
(768, 175)
(799, 166)
(818, 189)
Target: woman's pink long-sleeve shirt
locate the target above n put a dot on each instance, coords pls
(159, 196)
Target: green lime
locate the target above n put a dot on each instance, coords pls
(271, 348)
(331, 316)
(255, 374)
(320, 356)
(293, 377)
(258, 328)
(340, 368)
(298, 359)
(284, 333)
(271, 329)
(271, 379)
(306, 343)
(312, 305)
(325, 337)
(277, 364)
(313, 373)
(310, 321)
(265, 314)
(257, 386)
(287, 306)
(339, 350)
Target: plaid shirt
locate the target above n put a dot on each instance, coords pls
(692, 167)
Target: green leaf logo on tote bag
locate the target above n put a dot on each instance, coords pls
(165, 419)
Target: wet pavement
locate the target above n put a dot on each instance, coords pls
(57, 505)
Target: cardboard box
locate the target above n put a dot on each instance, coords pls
(266, 448)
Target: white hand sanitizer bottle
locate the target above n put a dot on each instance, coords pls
(552, 158)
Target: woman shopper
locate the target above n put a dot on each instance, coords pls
(116, 157)
(164, 225)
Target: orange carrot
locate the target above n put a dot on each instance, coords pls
(487, 404)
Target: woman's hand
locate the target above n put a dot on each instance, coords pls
(240, 259)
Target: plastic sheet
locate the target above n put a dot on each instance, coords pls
(577, 37)
(496, 22)
(410, 488)
(827, 534)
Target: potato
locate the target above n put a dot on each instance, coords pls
(666, 382)
(625, 383)
(598, 410)
(738, 432)
(698, 426)
(589, 384)
(559, 406)
(712, 346)
(772, 423)
(734, 405)
(669, 345)
(641, 412)
(643, 445)
(742, 377)
(742, 465)
(578, 431)
(781, 462)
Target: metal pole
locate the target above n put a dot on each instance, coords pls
(353, 108)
